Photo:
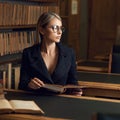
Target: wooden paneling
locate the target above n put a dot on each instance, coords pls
(102, 27)
(74, 29)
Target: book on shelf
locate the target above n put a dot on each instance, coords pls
(1, 93)
(61, 88)
(19, 106)
(9, 76)
(15, 77)
(23, 14)
(9, 73)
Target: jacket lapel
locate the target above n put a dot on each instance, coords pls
(39, 63)
(61, 65)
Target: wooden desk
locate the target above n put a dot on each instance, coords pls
(67, 106)
(100, 84)
(100, 89)
(26, 117)
(98, 77)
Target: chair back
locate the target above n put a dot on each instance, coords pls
(115, 59)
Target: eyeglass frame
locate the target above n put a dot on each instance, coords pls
(57, 28)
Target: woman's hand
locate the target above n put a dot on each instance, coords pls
(35, 83)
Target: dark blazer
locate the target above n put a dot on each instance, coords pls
(33, 66)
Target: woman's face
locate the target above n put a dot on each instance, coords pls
(53, 31)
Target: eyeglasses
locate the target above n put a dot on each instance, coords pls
(57, 28)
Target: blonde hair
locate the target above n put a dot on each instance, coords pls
(43, 21)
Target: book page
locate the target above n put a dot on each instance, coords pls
(23, 106)
(5, 107)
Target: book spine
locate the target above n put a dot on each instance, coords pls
(9, 75)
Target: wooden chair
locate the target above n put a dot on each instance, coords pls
(106, 116)
(114, 60)
(92, 65)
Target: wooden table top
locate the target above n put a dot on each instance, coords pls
(26, 117)
(100, 89)
(61, 107)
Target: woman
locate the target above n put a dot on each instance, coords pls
(49, 61)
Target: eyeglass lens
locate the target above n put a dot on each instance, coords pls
(56, 28)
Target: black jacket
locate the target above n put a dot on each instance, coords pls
(33, 66)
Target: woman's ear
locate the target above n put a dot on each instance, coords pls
(41, 30)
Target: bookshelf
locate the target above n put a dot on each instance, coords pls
(18, 30)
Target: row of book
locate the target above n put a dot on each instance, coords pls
(15, 42)
(9, 76)
(22, 14)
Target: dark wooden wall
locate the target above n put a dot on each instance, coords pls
(104, 19)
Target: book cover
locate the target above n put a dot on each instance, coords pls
(61, 88)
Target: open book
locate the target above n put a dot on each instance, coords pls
(60, 88)
(19, 106)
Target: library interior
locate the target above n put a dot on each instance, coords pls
(92, 30)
